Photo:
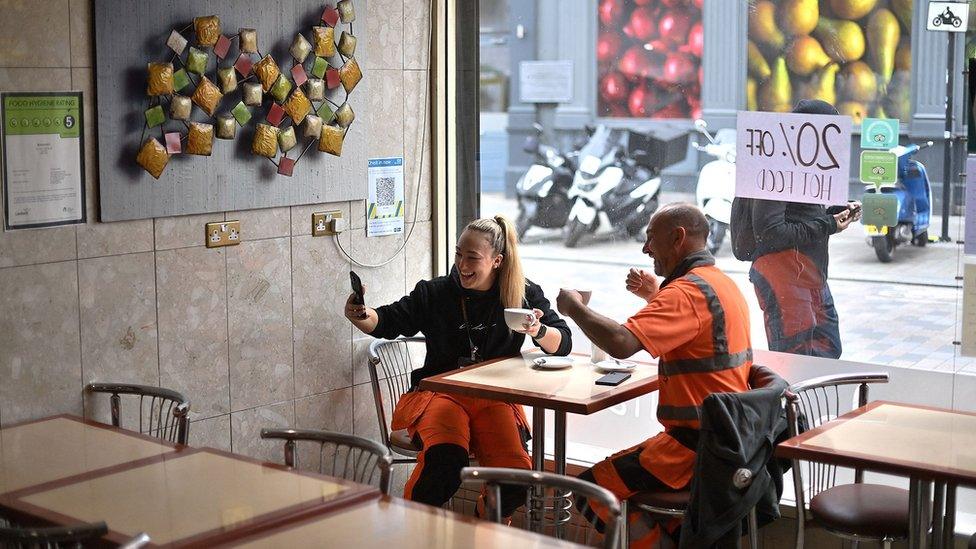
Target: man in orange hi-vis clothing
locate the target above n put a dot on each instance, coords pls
(696, 322)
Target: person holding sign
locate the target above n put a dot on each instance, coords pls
(789, 264)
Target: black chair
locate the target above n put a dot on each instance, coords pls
(857, 512)
(163, 413)
(559, 519)
(340, 455)
(51, 538)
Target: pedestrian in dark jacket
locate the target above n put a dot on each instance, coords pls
(789, 271)
(462, 319)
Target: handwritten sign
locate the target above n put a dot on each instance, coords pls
(793, 157)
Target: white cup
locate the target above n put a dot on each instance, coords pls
(597, 354)
(519, 319)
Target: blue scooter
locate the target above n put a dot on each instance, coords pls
(914, 196)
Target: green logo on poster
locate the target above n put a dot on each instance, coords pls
(879, 133)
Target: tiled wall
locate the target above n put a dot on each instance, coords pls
(253, 334)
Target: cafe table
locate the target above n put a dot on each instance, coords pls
(192, 497)
(569, 390)
(923, 443)
(52, 448)
(390, 522)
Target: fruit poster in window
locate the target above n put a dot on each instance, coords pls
(649, 58)
(855, 54)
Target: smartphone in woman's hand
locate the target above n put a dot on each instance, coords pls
(357, 288)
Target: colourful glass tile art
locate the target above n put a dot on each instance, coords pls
(315, 89)
(160, 79)
(226, 126)
(180, 107)
(207, 96)
(347, 44)
(287, 139)
(275, 114)
(350, 74)
(300, 48)
(200, 139)
(244, 64)
(207, 29)
(344, 115)
(332, 78)
(228, 79)
(331, 140)
(176, 42)
(180, 80)
(173, 143)
(196, 61)
(155, 116)
(298, 75)
(312, 127)
(324, 38)
(319, 67)
(330, 16)
(248, 40)
(253, 96)
(298, 106)
(346, 11)
(241, 113)
(286, 166)
(267, 71)
(153, 157)
(281, 88)
(222, 46)
(265, 141)
(325, 112)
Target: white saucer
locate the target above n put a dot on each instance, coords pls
(552, 363)
(615, 366)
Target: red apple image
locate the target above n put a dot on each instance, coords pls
(610, 11)
(642, 101)
(678, 69)
(608, 46)
(635, 63)
(696, 40)
(642, 24)
(673, 27)
(614, 87)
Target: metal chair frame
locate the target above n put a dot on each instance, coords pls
(564, 488)
(168, 412)
(357, 459)
(140, 540)
(392, 357)
(51, 537)
(818, 400)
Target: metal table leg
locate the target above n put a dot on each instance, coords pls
(949, 528)
(561, 501)
(919, 493)
(937, 514)
(537, 501)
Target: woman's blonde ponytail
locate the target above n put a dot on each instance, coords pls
(501, 235)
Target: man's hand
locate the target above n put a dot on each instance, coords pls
(642, 284)
(854, 206)
(843, 219)
(568, 302)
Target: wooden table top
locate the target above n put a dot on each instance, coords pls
(53, 448)
(396, 523)
(193, 497)
(572, 389)
(904, 439)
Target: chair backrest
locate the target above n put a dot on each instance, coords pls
(163, 413)
(390, 363)
(815, 402)
(564, 509)
(54, 537)
(340, 455)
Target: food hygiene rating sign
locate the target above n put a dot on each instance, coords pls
(793, 157)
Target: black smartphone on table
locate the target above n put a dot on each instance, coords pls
(613, 378)
(357, 288)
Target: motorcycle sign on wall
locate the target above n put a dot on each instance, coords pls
(948, 16)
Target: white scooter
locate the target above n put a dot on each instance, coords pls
(612, 192)
(716, 183)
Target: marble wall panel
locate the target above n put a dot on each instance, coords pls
(261, 224)
(259, 323)
(192, 315)
(40, 350)
(416, 146)
(322, 335)
(246, 431)
(183, 231)
(35, 34)
(117, 296)
(384, 49)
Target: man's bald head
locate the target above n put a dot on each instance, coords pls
(687, 216)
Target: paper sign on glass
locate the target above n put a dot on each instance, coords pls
(970, 235)
(879, 167)
(793, 157)
(879, 133)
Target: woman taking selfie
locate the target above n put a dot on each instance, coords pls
(462, 318)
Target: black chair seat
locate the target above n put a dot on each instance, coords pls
(666, 500)
(399, 439)
(869, 510)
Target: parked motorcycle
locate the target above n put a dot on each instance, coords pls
(617, 185)
(716, 183)
(542, 191)
(914, 205)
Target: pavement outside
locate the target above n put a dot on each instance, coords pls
(905, 313)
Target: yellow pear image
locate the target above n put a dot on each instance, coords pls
(822, 85)
(852, 9)
(842, 40)
(806, 55)
(751, 103)
(798, 17)
(776, 94)
(858, 82)
(758, 66)
(883, 34)
(763, 27)
(857, 111)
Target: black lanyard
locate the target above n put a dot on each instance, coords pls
(467, 327)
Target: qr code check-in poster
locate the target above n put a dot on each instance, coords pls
(384, 207)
